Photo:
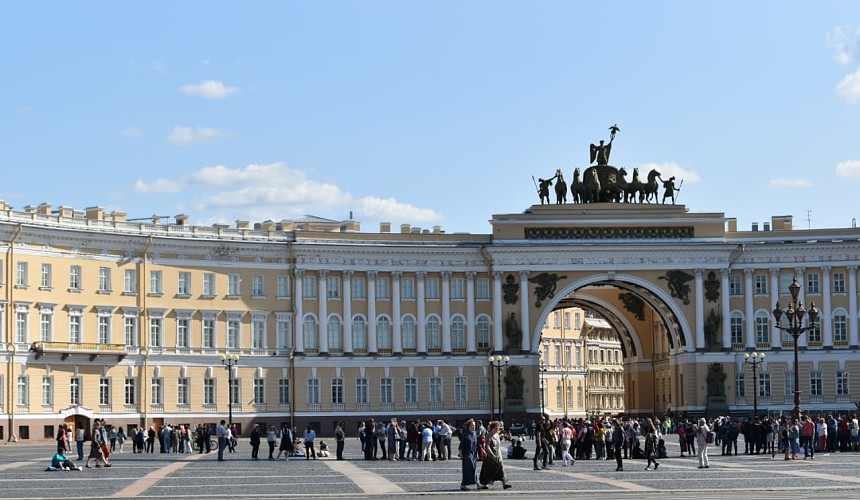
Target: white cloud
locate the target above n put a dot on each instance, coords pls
(848, 168)
(183, 136)
(157, 186)
(669, 169)
(845, 46)
(131, 132)
(782, 182)
(386, 209)
(849, 88)
(208, 89)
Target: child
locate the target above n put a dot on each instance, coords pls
(323, 451)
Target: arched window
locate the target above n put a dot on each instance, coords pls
(309, 333)
(736, 325)
(762, 330)
(482, 334)
(407, 333)
(434, 340)
(383, 335)
(359, 335)
(840, 328)
(335, 339)
(458, 335)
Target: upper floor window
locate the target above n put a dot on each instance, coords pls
(209, 284)
(130, 281)
(458, 289)
(283, 286)
(258, 286)
(309, 286)
(482, 288)
(407, 288)
(75, 278)
(761, 284)
(155, 283)
(382, 290)
(431, 286)
(184, 287)
(233, 288)
(333, 287)
(812, 283)
(21, 275)
(838, 282)
(359, 287)
(46, 281)
(735, 285)
(104, 280)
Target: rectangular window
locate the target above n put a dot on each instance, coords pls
(104, 280)
(130, 281)
(842, 383)
(21, 275)
(209, 284)
(482, 289)
(736, 325)
(382, 290)
(23, 391)
(234, 334)
(358, 290)
(762, 330)
(233, 288)
(47, 391)
(258, 286)
(785, 280)
(235, 392)
(284, 391)
(740, 385)
(461, 392)
(337, 391)
(283, 286)
(407, 288)
(484, 389)
(566, 319)
(130, 391)
(313, 391)
(155, 286)
(75, 278)
(788, 383)
(46, 326)
(259, 391)
(130, 330)
(75, 328)
(183, 391)
(556, 319)
(761, 284)
(183, 328)
(812, 284)
(46, 281)
(258, 333)
(458, 289)
(813, 335)
(104, 330)
(104, 391)
(815, 387)
(764, 384)
(410, 390)
(577, 321)
(333, 287)
(735, 285)
(386, 391)
(158, 391)
(75, 391)
(838, 282)
(208, 340)
(361, 391)
(431, 288)
(840, 328)
(155, 332)
(209, 392)
(435, 389)
(183, 287)
(309, 286)
(283, 333)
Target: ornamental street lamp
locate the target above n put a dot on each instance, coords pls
(755, 360)
(541, 371)
(499, 362)
(794, 315)
(229, 361)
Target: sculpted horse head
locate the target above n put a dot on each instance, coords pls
(560, 188)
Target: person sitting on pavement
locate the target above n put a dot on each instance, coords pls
(516, 451)
(61, 462)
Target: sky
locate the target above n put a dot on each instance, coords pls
(426, 112)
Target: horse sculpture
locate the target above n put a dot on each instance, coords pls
(632, 189)
(577, 188)
(649, 188)
(561, 188)
(614, 192)
(591, 194)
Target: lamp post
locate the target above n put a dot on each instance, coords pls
(794, 315)
(755, 360)
(498, 362)
(229, 361)
(541, 370)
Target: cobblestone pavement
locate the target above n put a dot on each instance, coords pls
(22, 475)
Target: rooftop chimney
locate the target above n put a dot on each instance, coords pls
(384, 227)
(181, 220)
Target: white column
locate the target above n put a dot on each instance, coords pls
(371, 313)
(347, 311)
(726, 310)
(803, 340)
(299, 330)
(446, 312)
(323, 310)
(498, 343)
(421, 334)
(397, 341)
(471, 342)
(852, 306)
(749, 311)
(700, 311)
(525, 325)
(775, 333)
(826, 317)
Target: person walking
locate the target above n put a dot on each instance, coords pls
(255, 442)
(286, 447)
(310, 436)
(222, 434)
(79, 441)
(468, 455)
(541, 445)
(271, 439)
(702, 442)
(566, 439)
(617, 444)
(120, 436)
(651, 437)
(492, 467)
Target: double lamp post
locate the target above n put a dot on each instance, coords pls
(498, 362)
(229, 361)
(755, 360)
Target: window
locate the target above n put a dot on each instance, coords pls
(209, 284)
(284, 391)
(46, 326)
(46, 276)
(577, 321)
(482, 289)
(762, 328)
(407, 333)
(764, 384)
(407, 288)
(556, 348)
(461, 392)
(434, 339)
(183, 332)
(313, 391)
(21, 275)
(566, 319)
(458, 334)
(386, 391)
(183, 391)
(359, 288)
(815, 383)
(556, 319)
(431, 286)
(482, 334)
(785, 281)
(233, 288)
(735, 287)
(359, 334)
(259, 391)
(130, 281)
(484, 389)
(435, 389)
(458, 291)
(558, 395)
(838, 282)
(309, 333)
(75, 278)
(75, 391)
(337, 391)
(335, 343)
(812, 284)
(258, 286)
(208, 339)
(23, 391)
(842, 383)
(235, 392)
(740, 385)
(361, 396)
(75, 327)
(184, 285)
(578, 355)
(736, 325)
(209, 391)
(382, 289)
(813, 336)
(155, 284)
(383, 333)
(840, 327)
(309, 287)
(761, 284)
(283, 332)
(283, 286)
(104, 329)
(156, 336)
(234, 334)
(158, 391)
(104, 280)
(788, 383)
(258, 332)
(104, 391)
(333, 287)
(47, 391)
(130, 330)
(410, 390)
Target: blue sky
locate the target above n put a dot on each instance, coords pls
(427, 113)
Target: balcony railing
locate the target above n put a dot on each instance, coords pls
(410, 352)
(436, 406)
(840, 344)
(461, 405)
(458, 350)
(411, 406)
(156, 408)
(362, 407)
(843, 398)
(385, 352)
(338, 407)
(386, 406)
(284, 408)
(434, 351)
(335, 351)
(314, 407)
(130, 408)
(106, 408)
(816, 398)
(210, 408)
(359, 351)
(183, 408)
(66, 349)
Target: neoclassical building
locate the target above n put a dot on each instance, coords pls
(127, 320)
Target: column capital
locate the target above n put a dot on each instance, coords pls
(471, 274)
(774, 271)
(825, 270)
(749, 272)
(348, 274)
(299, 273)
(725, 273)
(397, 274)
(371, 275)
(323, 273)
(446, 275)
(420, 275)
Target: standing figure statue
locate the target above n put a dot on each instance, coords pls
(543, 190)
(669, 186)
(513, 332)
(600, 152)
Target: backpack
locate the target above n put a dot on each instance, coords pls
(710, 437)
